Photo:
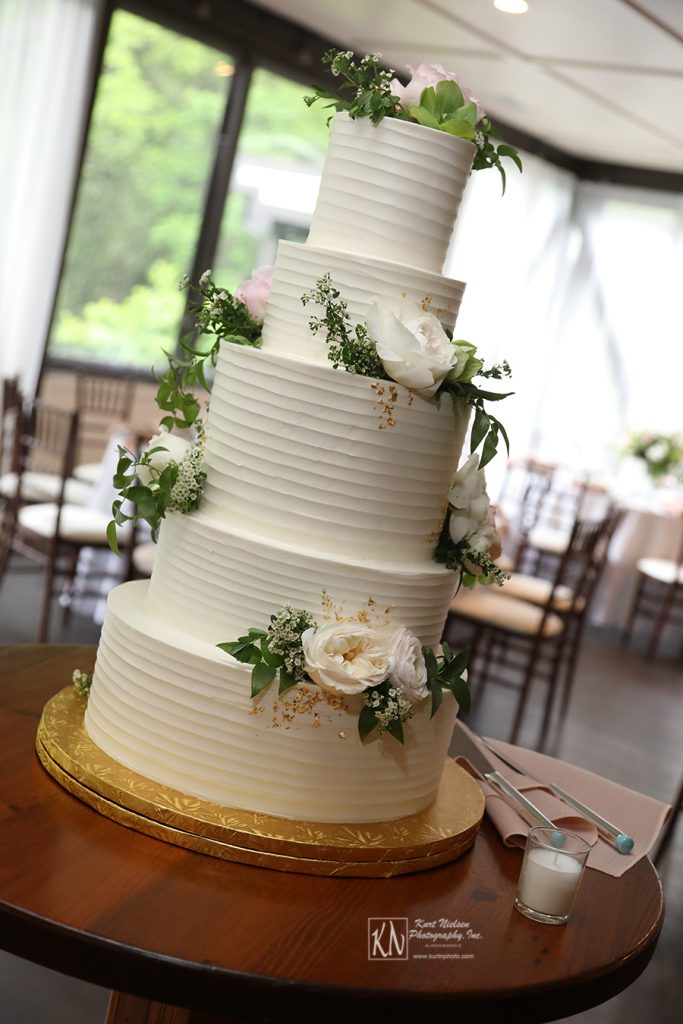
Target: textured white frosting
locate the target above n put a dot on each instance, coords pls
(178, 711)
(303, 453)
(391, 190)
(326, 491)
(215, 583)
(359, 279)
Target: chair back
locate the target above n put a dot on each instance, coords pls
(47, 442)
(9, 425)
(581, 564)
(101, 401)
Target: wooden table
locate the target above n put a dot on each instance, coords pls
(89, 898)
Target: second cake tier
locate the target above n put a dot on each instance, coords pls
(329, 461)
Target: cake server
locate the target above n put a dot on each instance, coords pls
(613, 835)
(462, 746)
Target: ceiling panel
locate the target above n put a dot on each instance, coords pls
(372, 26)
(595, 78)
(603, 31)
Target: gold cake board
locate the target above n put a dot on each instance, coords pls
(441, 833)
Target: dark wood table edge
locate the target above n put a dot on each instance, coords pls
(226, 993)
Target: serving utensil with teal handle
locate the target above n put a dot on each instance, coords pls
(609, 832)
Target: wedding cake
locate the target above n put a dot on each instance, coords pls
(325, 495)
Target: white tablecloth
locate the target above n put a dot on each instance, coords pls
(650, 528)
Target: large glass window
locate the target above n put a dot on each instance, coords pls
(159, 105)
(275, 176)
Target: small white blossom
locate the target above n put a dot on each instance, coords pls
(204, 279)
(183, 283)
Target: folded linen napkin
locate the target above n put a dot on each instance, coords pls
(639, 816)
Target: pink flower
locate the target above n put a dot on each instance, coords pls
(254, 292)
(425, 75)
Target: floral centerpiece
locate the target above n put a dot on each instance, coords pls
(433, 97)
(662, 454)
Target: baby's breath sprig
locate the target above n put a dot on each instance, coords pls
(349, 346)
(474, 566)
(364, 90)
(275, 651)
(82, 682)
(385, 708)
(176, 487)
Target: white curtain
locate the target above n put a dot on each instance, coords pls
(512, 251)
(46, 53)
(619, 355)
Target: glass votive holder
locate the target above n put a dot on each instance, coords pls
(551, 871)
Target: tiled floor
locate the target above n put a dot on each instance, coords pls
(625, 722)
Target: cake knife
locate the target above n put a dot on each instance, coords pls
(462, 746)
(613, 835)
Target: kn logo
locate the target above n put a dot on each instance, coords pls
(387, 938)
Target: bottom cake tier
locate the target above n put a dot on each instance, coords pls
(178, 710)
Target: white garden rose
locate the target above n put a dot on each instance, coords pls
(175, 448)
(470, 508)
(409, 672)
(413, 346)
(347, 657)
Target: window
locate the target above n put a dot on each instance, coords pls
(275, 176)
(152, 144)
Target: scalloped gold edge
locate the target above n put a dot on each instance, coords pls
(439, 834)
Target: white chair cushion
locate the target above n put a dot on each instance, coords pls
(143, 557)
(490, 607)
(661, 569)
(89, 472)
(43, 486)
(547, 538)
(77, 524)
(536, 590)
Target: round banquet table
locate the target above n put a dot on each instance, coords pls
(90, 898)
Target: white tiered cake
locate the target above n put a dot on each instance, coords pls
(325, 491)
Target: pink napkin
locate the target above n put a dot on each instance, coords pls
(637, 815)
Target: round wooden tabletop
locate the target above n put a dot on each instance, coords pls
(90, 898)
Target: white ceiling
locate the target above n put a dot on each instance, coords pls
(598, 79)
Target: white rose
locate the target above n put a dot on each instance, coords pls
(470, 508)
(175, 448)
(657, 452)
(346, 657)
(409, 673)
(413, 346)
(423, 76)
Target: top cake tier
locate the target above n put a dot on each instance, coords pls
(391, 191)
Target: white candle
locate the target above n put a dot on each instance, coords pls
(549, 881)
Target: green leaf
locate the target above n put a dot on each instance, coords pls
(490, 448)
(503, 431)
(257, 634)
(112, 539)
(286, 681)
(461, 692)
(431, 663)
(480, 429)
(458, 127)
(262, 676)
(395, 729)
(367, 722)
(455, 666)
(271, 659)
(424, 117)
(436, 692)
(504, 150)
